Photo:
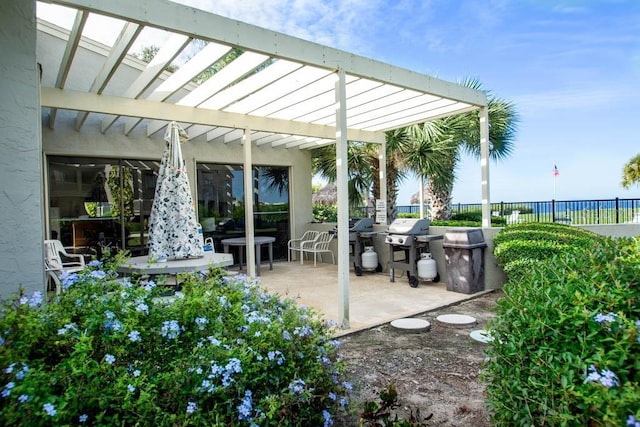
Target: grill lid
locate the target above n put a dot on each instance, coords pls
(362, 224)
(414, 226)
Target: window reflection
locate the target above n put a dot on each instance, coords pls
(221, 203)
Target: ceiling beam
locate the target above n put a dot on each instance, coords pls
(67, 57)
(119, 50)
(170, 49)
(183, 19)
(106, 104)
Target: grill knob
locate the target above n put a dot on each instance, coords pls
(401, 240)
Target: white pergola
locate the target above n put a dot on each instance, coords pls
(281, 91)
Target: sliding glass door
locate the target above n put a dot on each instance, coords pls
(221, 203)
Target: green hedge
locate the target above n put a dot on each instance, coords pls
(566, 347)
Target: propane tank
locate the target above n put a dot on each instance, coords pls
(369, 258)
(427, 267)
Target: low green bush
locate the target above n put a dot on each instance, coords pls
(566, 348)
(114, 351)
(538, 241)
(325, 213)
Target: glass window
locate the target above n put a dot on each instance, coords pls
(96, 204)
(221, 203)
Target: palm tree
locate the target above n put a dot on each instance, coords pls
(631, 172)
(362, 166)
(463, 131)
(430, 149)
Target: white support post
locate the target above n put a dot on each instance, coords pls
(343, 201)
(484, 165)
(382, 158)
(248, 205)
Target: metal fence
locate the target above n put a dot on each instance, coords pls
(597, 211)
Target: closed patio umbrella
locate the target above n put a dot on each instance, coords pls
(173, 230)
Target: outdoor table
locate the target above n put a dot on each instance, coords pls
(142, 265)
(242, 242)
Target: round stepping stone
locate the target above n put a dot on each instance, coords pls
(412, 325)
(481, 335)
(456, 320)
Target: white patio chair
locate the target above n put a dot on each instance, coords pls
(294, 245)
(57, 260)
(514, 218)
(318, 246)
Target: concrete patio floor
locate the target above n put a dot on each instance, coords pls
(373, 298)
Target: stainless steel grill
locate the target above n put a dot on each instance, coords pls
(410, 237)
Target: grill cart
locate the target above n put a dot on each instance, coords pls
(410, 237)
(361, 236)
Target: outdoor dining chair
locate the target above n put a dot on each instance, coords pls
(57, 260)
(295, 245)
(318, 246)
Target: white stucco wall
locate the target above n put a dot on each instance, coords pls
(21, 197)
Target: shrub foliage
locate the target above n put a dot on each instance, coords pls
(566, 347)
(114, 351)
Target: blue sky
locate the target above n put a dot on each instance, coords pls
(572, 68)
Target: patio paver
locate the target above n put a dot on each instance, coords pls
(374, 300)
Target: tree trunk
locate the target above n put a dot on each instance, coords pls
(439, 196)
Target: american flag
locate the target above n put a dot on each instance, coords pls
(556, 172)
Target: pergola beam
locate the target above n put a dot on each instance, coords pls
(208, 26)
(106, 104)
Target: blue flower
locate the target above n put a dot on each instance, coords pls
(95, 263)
(605, 318)
(66, 328)
(201, 322)
(49, 409)
(170, 329)
(286, 335)
(34, 300)
(131, 388)
(97, 274)
(109, 358)
(1, 340)
(191, 407)
(328, 421)
(7, 389)
(245, 407)
(83, 418)
(23, 398)
(9, 369)
(149, 285)
(142, 308)
(332, 395)
(68, 279)
(303, 331)
(297, 386)
(136, 373)
(631, 421)
(134, 336)
(214, 341)
(347, 386)
(606, 377)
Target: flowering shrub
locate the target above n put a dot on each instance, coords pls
(567, 339)
(113, 351)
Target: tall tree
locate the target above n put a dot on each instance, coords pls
(631, 172)
(463, 131)
(430, 150)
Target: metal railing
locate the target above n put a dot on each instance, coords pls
(596, 211)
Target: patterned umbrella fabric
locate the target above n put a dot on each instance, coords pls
(173, 230)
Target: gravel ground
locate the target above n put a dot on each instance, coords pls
(436, 371)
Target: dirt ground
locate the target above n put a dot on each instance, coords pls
(435, 371)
